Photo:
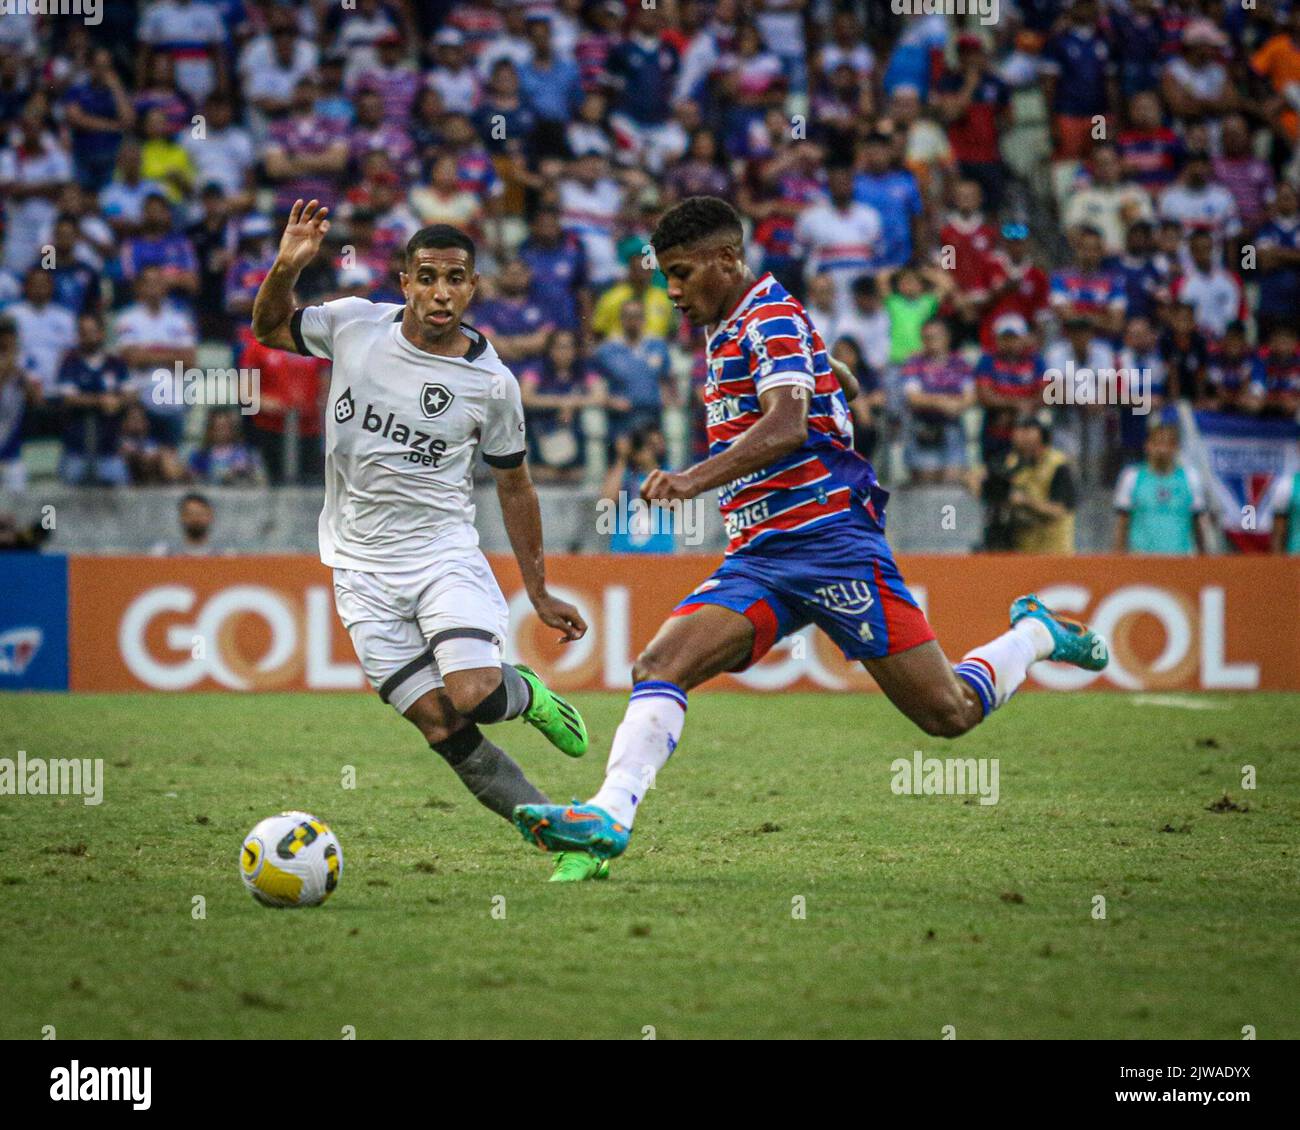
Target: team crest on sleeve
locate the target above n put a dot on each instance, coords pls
(344, 407)
(435, 400)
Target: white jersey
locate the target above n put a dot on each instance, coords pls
(401, 430)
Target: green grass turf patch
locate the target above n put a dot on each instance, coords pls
(921, 911)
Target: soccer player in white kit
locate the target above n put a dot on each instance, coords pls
(414, 394)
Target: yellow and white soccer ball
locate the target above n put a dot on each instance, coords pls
(291, 860)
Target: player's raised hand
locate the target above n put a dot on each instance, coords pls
(666, 486)
(303, 234)
(557, 613)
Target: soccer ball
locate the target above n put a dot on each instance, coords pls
(291, 860)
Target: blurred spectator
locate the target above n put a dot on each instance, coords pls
(1281, 361)
(975, 103)
(46, 331)
(214, 237)
(1016, 285)
(1008, 382)
(1149, 150)
(193, 35)
(76, 282)
(1286, 515)
(968, 244)
(1107, 202)
(590, 201)
(391, 78)
(1141, 365)
(866, 407)
(224, 459)
(910, 305)
(939, 388)
(865, 324)
(305, 155)
(1235, 376)
(637, 286)
(1160, 504)
(99, 112)
(893, 193)
(644, 69)
(292, 389)
(154, 335)
(551, 87)
(91, 392)
(840, 237)
(148, 462)
(700, 172)
(444, 201)
(1278, 62)
(1216, 295)
(222, 153)
(251, 264)
(636, 370)
(1088, 289)
(558, 267)
(1248, 178)
(555, 391)
(452, 76)
(163, 159)
(1186, 353)
(1197, 202)
(195, 516)
(273, 67)
(18, 388)
(516, 324)
(374, 131)
(1195, 85)
(1138, 34)
(122, 202)
(1043, 494)
(1278, 244)
(1081, 420)
(638, 528)
(1078, 80)
(1142, 280)
(33, 170)
(160, 247)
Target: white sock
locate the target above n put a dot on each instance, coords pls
(643, 743)
(996, 669)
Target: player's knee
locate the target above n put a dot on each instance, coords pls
(949, 717)
(655, 664)
(471, 692)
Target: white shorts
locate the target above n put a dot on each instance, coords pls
(412, 627)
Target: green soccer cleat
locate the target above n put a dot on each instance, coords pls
(556, 719)
(1073, 642)
(577, 866)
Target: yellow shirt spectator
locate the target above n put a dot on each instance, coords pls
(167, 163)
(658, 310)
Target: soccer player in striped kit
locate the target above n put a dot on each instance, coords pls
(805, 520)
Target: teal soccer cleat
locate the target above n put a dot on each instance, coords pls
(1073, 642)
(572, 827)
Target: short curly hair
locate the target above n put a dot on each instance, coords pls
(694, 219)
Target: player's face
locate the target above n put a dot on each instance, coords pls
(438, 286)
(700, 280)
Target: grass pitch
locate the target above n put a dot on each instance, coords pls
(921, 912)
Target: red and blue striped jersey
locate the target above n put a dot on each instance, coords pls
(768, 341)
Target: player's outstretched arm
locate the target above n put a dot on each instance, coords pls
(523, 520)
(273, 307)
(782, 428)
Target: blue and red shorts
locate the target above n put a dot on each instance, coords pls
(850, 588)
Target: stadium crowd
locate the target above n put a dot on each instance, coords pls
(147, 165)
